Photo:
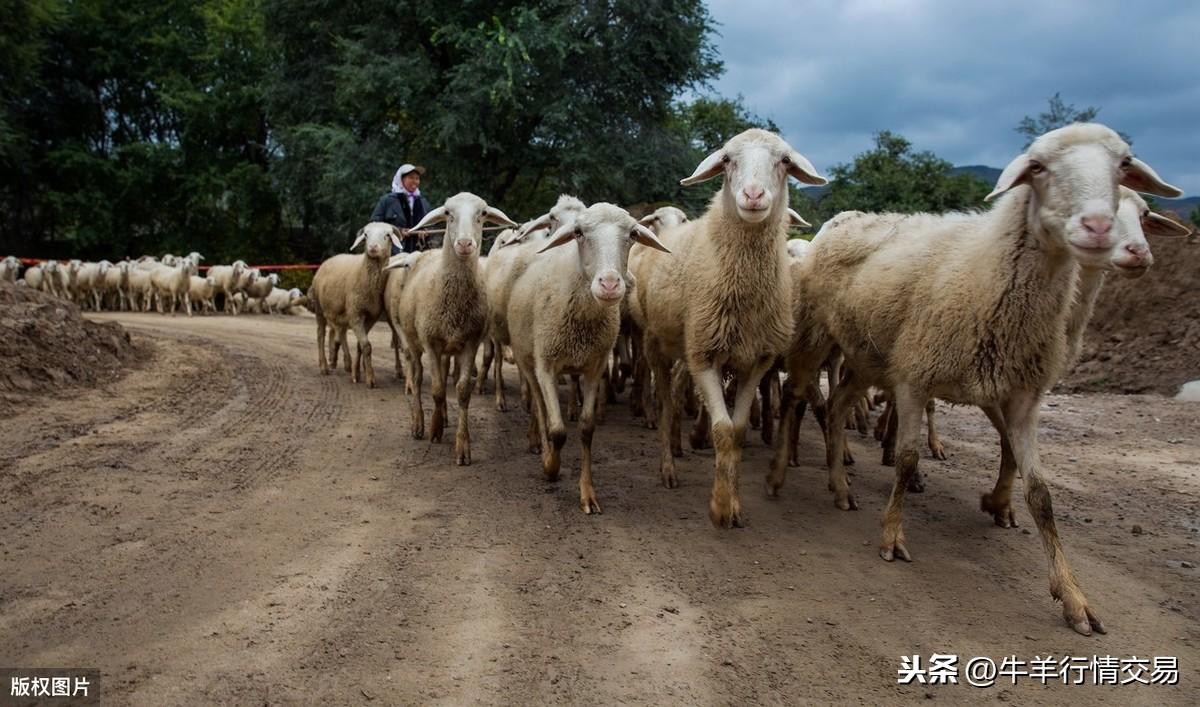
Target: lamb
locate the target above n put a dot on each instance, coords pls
(172, 283)
(279, 301)
(724, 302)
(10, 268)
(443, 310)
(116, 283)
(563, 317)
(973, 308)
(347, 293)
(201, 290)
(39, 276)
(226, 279)
(510, 255)
(66, 280)
(260, 288)
(89, 283)
(140, 291)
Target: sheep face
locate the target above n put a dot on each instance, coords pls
(663, 218)
(50, 267)
(1074, 173)
(756, 165)
(604, 233)
(1132, 257)
(464, 215)
(377, 237)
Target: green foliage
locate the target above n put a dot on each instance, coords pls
(892, 177)
(1057, 114)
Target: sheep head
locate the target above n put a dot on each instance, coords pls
(379, 237)
(663, 218)
(604, 234)
(464, 215)
(1073, 173)
(756, 165)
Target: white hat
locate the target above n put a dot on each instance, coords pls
(405, 169)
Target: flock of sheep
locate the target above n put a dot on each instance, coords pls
(706, 316)
(166, 285)
(983, 309)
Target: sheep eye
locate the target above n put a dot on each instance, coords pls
(725, 159)
(787, 160)
(1036, 167)
(1126, 162)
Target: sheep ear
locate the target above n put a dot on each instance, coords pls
(399, 260)
(794, 219)
(564, 234)
(362, 234)
(1159, 225)
(491, 213)
(436, 216)
(646, 237)
(1017, 172)
(648, 219)
(395, 234)
(542, 221)
(709, 168)
(803, 170)
(1140, 176)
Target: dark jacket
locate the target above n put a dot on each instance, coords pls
(393, 208)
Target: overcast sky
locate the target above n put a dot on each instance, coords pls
(955, 77)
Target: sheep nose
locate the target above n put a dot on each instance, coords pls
(610, 282)
(753, 192)
(1097, 225)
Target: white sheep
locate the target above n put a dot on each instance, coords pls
(116, 283)
(226, 279)
(90, 283)
(10, 268)
(510, 254)
(973, 308)
(172, 284)
(347, 293)
(563, 318)
(723, 302)
(260, 289)
(443, 310)
(201, 290)
(38, 276)
(279, 301)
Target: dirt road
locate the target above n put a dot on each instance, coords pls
(224, 525)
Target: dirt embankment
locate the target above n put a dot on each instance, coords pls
(1145, 334)
(45, 343)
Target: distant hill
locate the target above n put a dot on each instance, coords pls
(1182, 207)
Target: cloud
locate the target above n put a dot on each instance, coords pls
(956, 77)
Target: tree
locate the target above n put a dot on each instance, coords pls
(1057, 114)
(892, 177)
(515, 101)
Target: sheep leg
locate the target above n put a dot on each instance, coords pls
(637, 382)
(187, 302)
(573, 396)
(498, 362)
(756, 415)
(860, 415)
(417, 376)
(489, 352)
(679, 379)
(790, 402)
(909, 407)
(889, 435)
(536, 430)
(728, 436)
(322, 363)
(935, 442)
(768, 410)
(587, 427)
(835, 430)
(441, 370)
(362, 362)
(882, 423)
(999, 501)
(1020, 415)
(334, 348)
(662, 389)
(464, 386)
(699, 438)
(555, 434)
(610, 396)
(344, 342)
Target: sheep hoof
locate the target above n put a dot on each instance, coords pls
(773, 485)
(916, 482)
(1085, 624)
(938, 451)
(846, 504)
(669, 479)
(500, 406)
(889, 457)
(588, 503)
(895, 550)
(1002, 514)
(725, 515)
